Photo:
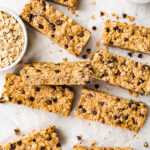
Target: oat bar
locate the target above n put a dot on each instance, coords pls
(79, 147)
(56, 26)
(56, 99)
(110, 110)
(126, 36)
(67, 73)
(44, 139)
(121, 71)
(69, 3)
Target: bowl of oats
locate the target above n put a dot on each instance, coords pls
(13, 39)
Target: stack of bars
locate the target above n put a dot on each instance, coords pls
(45, 86)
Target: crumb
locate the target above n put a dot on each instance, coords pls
(130, 18)
(96, 86)
(135, 94)
(93, 17)
(97, 44)
(140, 55)
(106, 47)
(92, 142)
(79, 138)
(16, 131)
(124, 15)
(84, 56)
(113, 14)
(117, 17)
(50, 52)
(145, 144)
(60, 50)
(130, 92)
(65, 59)
(93, 3)
(89, 124)
(72, 11)
(109, 132)
(130, 54)
(134, 136)
(94, 28)
(76, 15)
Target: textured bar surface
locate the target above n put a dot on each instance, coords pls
(56, 99)
(111, 110)
(56, 26)
(67, 73)
(79, 147)
(44, 139)
(126, 36)
(121, 71)
(69, 3)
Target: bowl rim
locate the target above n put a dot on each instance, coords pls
(139, 1)
(10, 12)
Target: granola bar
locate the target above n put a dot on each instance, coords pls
(121, 71)
(111, 110)
(44, 139)
(67, 73)
(56, 26)
(69, 3)
(79, 147)
(56, 99)
(126, 36)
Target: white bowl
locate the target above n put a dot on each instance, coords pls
(140, 1)
(25, 38)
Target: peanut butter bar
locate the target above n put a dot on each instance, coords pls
(56, 26)
(110, 110)
(79, 147)
(69, 3)
(67, 73)
(56, 99)
(44, 139)
(126, 36)
(121, 71)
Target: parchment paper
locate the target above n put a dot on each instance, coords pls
(39, 47)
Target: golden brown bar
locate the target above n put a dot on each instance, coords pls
(126, 36)
(57, 99)
(79, 147)
(67, 73)
(111, 110)
(44, 139)
(56, 26)
(121, 71)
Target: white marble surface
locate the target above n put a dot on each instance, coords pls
(26, 119)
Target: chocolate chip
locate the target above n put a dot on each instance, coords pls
(124, 63)
(124, 15)
(126, 117)
(84, 56)
(81, 34)
(103, 121)
(140, 56)
(114, 59)
(111, 42)
(133, 75)
(38, 70)
(23, 92)
(94, 28)
(83, 110)
(94, 112)
(31, 98)
(136, 64)
(130, 104)
(107, 30)
(88, 50)
(52, 35)
(126, 39)
(37, 89)
(30, 16)
(12, 146)
(118, 73)
(115, 117)
(102, 103)
(132, 32)
(59, 22)
(70, 37)
(19, 143)
(40, 26)
(66, 46)
(53, 27)
(58, 145)
(135, 108)
(102, 13)
(80, 106)
(42, 148)
(119, 122)
(79, 138)
(115, 28)
(48, 102)
(19, 102)
(48, 138)
(96, 86)
(104, 74)
(10, 98)
(44, 5)
(133, 120)
(57, 71)
(130, 54)
(117, 99)
(55, 100)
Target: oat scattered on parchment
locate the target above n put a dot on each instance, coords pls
(11, 39)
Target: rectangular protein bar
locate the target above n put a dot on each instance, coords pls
(44, 139)
(56, 26)
(69, 3)
(57, 99)
(111, 110)
(121, 71)
(126, 36)
(79, 147)
(66, 73)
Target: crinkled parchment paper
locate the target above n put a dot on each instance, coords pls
(39, 47)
